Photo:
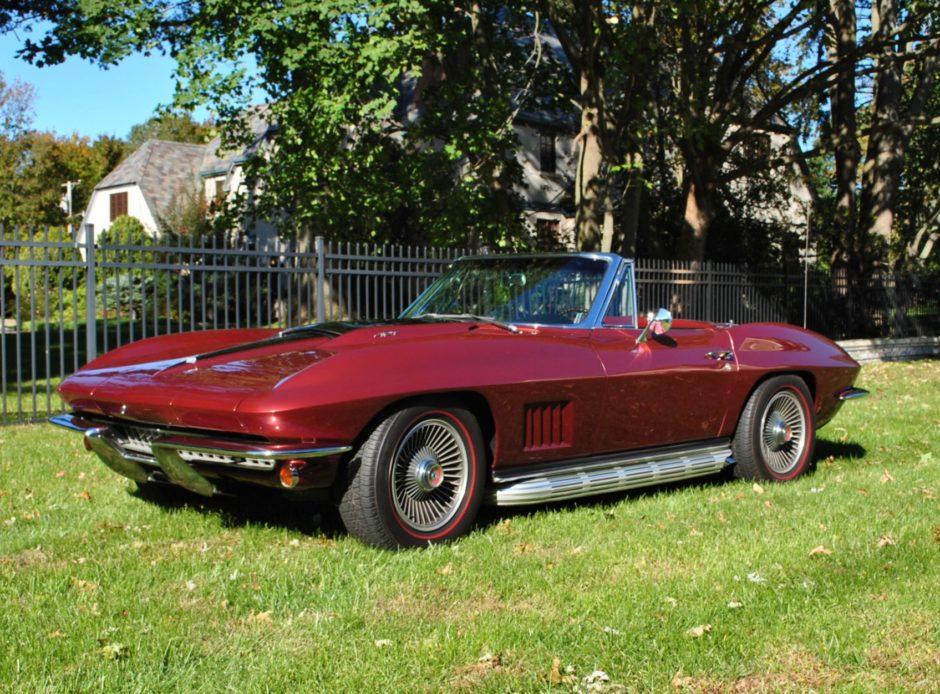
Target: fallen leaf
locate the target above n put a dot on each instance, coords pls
(735, 604)
(769, 503)
(757, 488)
(446, 570)
(699, 631)
(190, 585)
(383, 643)
(680, 682)
(57, 634)
(879, 597)
(886, 541)
(60, 474)
(887, 477)
(722, 517)
(555, 676)
(114, 651)
(83, 495)
(490, 660)
(863, 492)
(928, 493)
(84, 586)
(820, 549)
(596, 678)
(260, 617)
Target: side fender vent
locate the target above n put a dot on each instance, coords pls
(548, 425)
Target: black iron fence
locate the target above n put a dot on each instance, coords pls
(61, 303)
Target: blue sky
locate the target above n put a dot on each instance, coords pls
(78, 96)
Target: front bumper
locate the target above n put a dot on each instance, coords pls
(192, 461)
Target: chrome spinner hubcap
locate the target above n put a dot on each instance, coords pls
(429, 474)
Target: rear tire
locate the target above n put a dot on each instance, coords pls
(776, 433)
(417, 479)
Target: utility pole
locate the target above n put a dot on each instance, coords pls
(67, 201)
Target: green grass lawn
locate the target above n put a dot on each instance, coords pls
(828, 583)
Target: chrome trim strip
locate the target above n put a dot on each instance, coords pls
(851, 394)
(613, 475)
(247, 451)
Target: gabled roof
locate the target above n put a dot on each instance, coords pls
(162, 170)
(259, 129)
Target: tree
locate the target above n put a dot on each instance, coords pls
(333, 75)
(170, 125)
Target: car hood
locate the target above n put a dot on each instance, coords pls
(170, 380)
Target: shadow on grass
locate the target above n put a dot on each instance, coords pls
(319, 517)
(256, 506)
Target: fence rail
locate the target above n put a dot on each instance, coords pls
(62, 304)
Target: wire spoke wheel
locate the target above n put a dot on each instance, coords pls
(430, 473)
(776, 431)
(783, 432)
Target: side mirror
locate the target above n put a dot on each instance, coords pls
(658, 323)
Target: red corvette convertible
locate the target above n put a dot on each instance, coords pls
(512, 379)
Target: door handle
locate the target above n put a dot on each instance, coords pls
(722, 355)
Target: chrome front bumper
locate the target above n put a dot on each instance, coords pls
(141, 452)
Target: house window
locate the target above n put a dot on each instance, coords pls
(218, 195)
(547, 234)
(547, 152)
(118, 205)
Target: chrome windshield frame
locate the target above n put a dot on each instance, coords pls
(613, 275)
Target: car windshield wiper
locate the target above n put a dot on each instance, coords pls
(470, 317)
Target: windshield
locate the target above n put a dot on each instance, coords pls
(548, 290)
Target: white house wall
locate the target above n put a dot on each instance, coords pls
(98, 212)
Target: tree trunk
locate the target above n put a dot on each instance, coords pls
(842, 24)
(590, 187)
(698, 191)
(885, 154)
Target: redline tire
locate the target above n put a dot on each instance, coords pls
(417, 479)
(776, 433)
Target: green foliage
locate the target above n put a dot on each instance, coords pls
(39, 290)
(170, 125)
(126, 285)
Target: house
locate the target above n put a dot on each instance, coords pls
(160, 174)
(144, 185)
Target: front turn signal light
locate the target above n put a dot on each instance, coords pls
(290, 472)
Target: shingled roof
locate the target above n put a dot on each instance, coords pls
(161, 170)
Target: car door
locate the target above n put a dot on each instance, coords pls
(671, 389)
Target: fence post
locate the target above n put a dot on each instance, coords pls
(321, 261)
(709, 292)
(91, 311)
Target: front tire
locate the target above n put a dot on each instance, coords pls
(418, 478)
(776, 432)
